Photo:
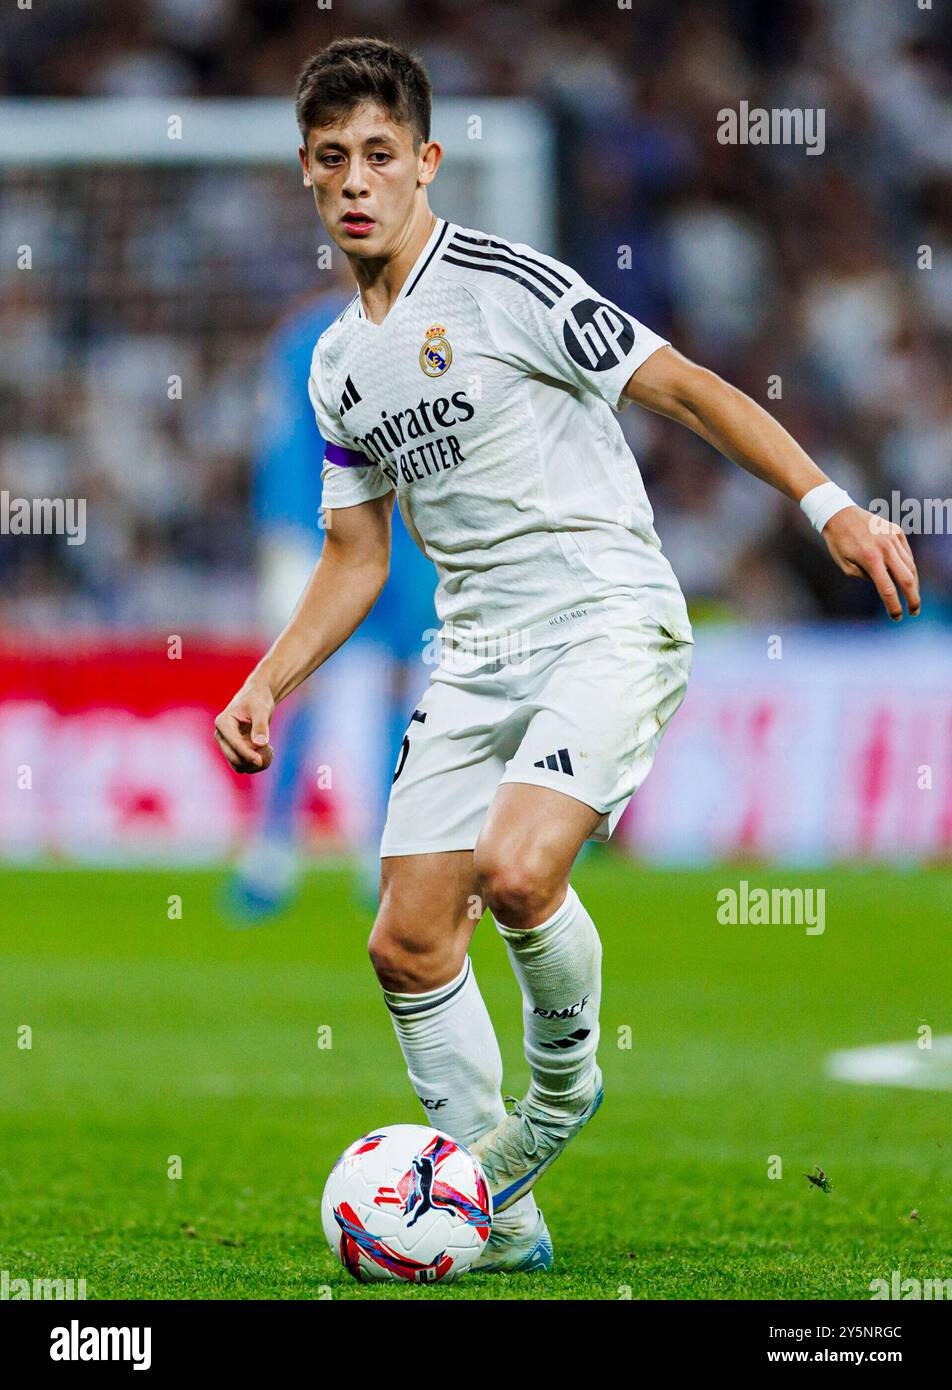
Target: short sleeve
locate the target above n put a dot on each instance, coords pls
(348, 476)
(552, 323)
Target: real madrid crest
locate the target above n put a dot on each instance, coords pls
(436, 353)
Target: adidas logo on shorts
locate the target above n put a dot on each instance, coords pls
(557, 762)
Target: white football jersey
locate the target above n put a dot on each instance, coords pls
(486, 400)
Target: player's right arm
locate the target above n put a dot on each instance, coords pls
(345, 585)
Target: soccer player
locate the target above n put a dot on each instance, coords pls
(476, 381)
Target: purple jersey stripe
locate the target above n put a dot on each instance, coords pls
(346, 458)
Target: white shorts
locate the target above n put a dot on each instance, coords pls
(583, 718)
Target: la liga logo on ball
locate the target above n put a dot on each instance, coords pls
(436, 355)
(406, 1203)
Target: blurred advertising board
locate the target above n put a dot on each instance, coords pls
(814, 745)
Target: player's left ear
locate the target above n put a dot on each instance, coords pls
(431, 152)
(302, 156)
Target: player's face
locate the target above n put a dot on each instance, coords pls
(365, 174)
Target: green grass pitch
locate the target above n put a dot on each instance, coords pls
(153, 1038)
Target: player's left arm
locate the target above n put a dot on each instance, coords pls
(863, 545)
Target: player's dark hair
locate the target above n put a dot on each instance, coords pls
(350, 71)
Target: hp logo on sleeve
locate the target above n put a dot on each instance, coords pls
(597, 335)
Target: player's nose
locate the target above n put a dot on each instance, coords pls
(355, 181)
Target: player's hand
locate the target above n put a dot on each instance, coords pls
(242, 729)
(870, 547)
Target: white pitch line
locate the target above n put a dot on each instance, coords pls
(896, 1064)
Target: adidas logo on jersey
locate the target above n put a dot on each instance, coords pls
(557, 762)
(349, 397)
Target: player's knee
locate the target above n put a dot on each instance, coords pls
(401, 964)
(515, 891)
(389, 957)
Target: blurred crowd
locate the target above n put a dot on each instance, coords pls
(819, 283)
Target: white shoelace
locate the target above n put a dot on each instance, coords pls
(507, 1150)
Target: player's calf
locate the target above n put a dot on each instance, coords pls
(558, 966)
(523, 860)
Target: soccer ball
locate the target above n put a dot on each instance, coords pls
(406, 1202)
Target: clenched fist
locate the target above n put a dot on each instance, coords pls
(242, 729)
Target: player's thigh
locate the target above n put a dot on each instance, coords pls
(528, 844)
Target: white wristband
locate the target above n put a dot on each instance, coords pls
(823, 502)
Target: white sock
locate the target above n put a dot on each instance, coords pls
(558, 966)
(455, 1067)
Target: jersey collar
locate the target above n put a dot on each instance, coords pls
(419, 268)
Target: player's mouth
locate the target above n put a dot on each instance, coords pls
(358, 223)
